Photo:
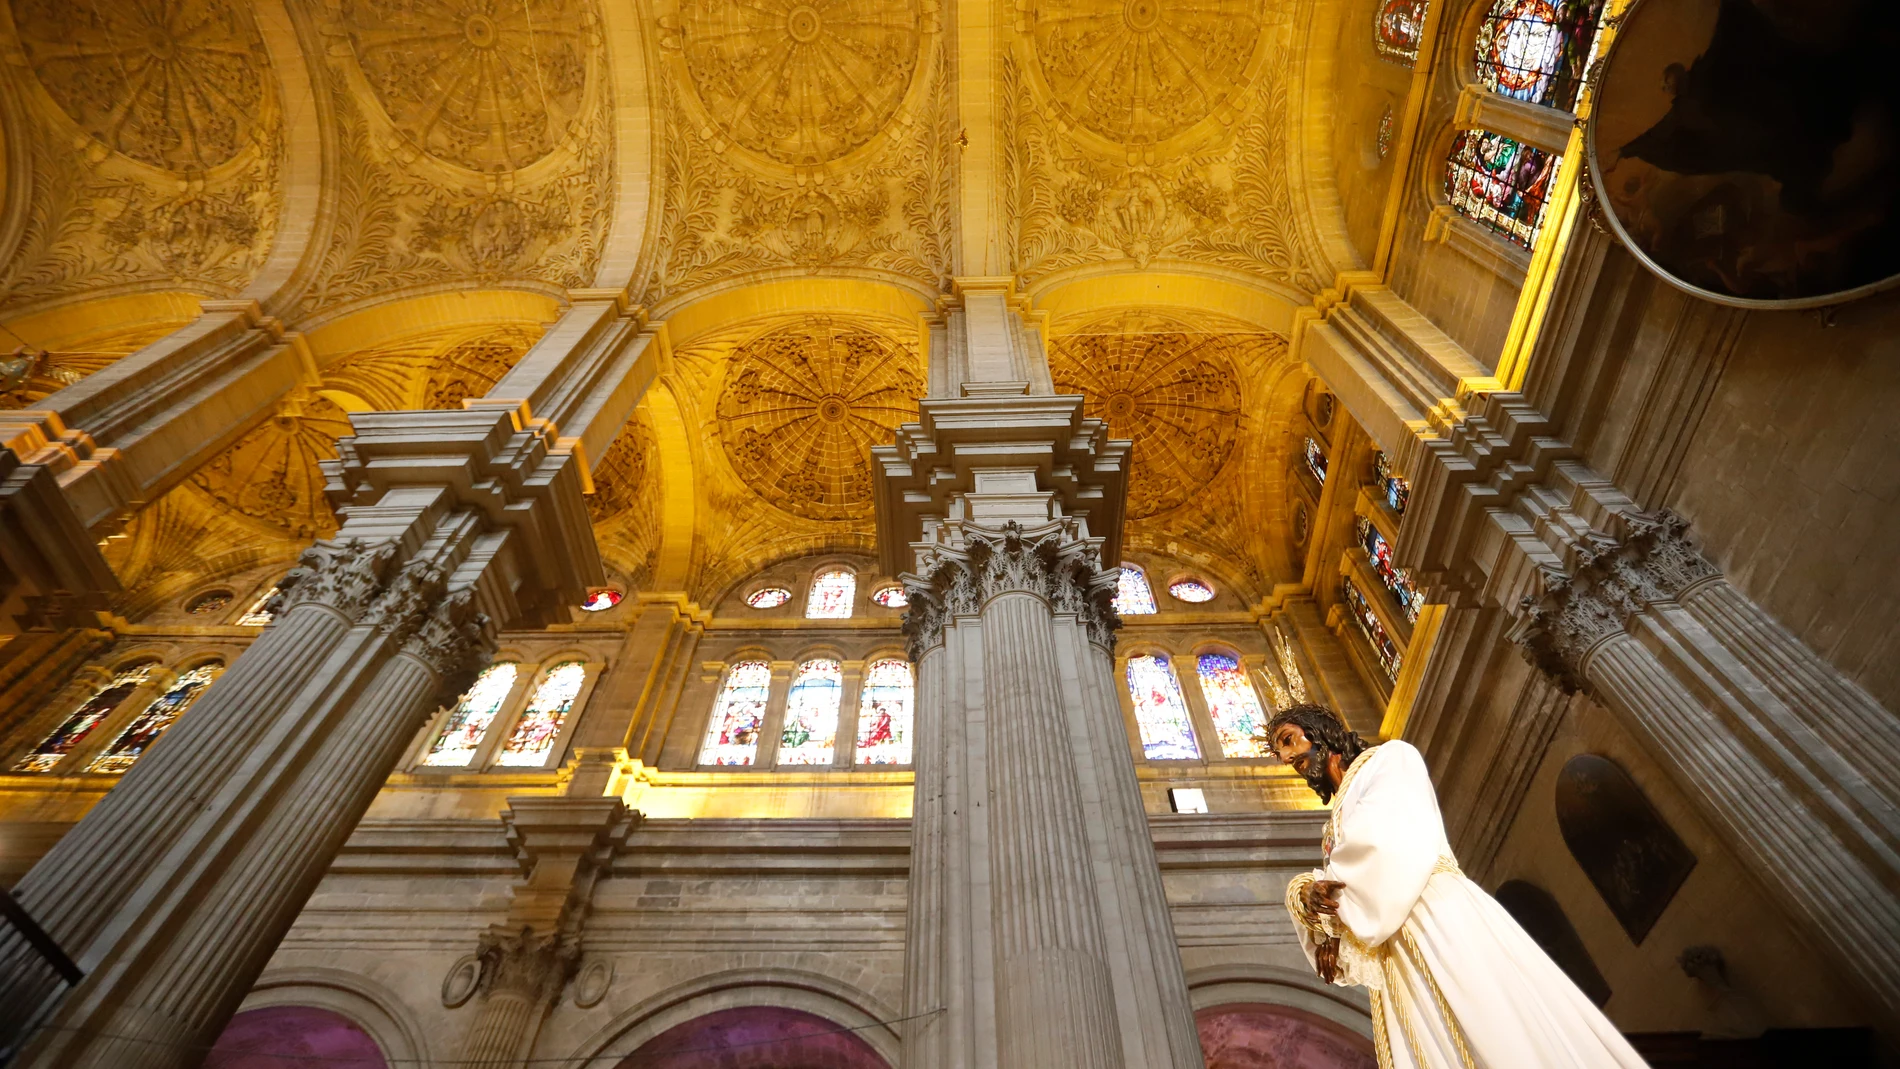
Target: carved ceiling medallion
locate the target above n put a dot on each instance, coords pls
(270, 475)
(800, 82)
(173, 84)
(488, 85)
(802, 407)
(1144, 71)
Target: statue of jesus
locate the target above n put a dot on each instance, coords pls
(1455, 983)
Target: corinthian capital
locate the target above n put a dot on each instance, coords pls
(526, 964)
(454, 639)
(1052, 564)
(345, 576)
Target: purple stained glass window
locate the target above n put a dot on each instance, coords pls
(468, 722)
(1499, 183)
(1132, 596)
(1397, 580)
(732, 738)
(1161, 714)
(150, 724)
(1538, 51)
(1397, 30)
(885, 713)
(1233, 706)
(811, 714)
(1316, 460)
(81, 721)
(541, 722)
(830, 597)
(1387, 651)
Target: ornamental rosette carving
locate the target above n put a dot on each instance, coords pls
(344, 576)
(1063, 571)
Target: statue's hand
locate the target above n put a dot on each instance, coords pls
(1322, 897)
(1326, 960)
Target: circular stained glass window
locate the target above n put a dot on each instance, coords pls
(891, 597)
(770, 597)
(207, 603)
(601, 599)
(1191, 590)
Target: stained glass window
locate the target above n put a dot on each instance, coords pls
(205, 604)
(770, 597)
(1383, 647)
(1499, 183)
(1537, 50)
(830, 597)
(1384, 141)
(257, 615)
(1191, 590)
(1396, 32)
(541, 721)
(891, 597)
(732, 738)
(1132, 596)
(1233, 706)
(462, 732)
(1316, 460)
(1160, 713)
(1397, 580)
(80, 723)
(601, 599)
(884, 714)
(148, 725)
(811, 714)
(1398, 492)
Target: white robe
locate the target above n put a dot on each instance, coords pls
(1455, 983)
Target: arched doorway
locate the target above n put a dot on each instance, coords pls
(755, 1037)
(1260, 1036)
(294, 1037)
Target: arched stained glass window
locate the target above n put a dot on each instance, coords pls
(732, 738)
(1538, 50)
(1397, 30)
(830, 597)
(1316, 460)
(811, 714)
(884, 714)
(1397, 580)
(541, 721)
(1386, 650)
(80, 723)
(1495, 181)
(159, 715)
(462, 732)
(257, 615)
(1132, 596)
(1397, 491)
(1233, 706)
(1160, 713)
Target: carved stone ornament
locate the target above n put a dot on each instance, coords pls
(346, 576)
(454, 639)
(527, 964)
(595, 978)
(464, 978)
(1557, 628)
(1062, 570)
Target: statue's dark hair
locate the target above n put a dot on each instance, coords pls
(1323, 728)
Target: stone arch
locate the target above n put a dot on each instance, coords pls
(263, 1038)
(367, 1005)
(1266, 1036)
(755, 1037)
(1215, 986)
(1634, 858)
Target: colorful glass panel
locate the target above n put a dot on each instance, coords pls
(1397, 30)
(1233, 706)
(257, 615)
(1386, 123)
(891, 597)
(205, 604)
(1398, 492)
(1132, 596)
(80, 723)
(830, 597)
(1160, 713)
(732, 738)
(150, 724)
(1387, 651)
(541, 722)
(1397, 580)
(1499, 183)
(884, 714)
(811, 714)
(770, 597)
(1191, 590)
(1538, 50)
(1316, 460)
(601, 600)
(462, 732)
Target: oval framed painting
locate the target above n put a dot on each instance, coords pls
(1748, 151)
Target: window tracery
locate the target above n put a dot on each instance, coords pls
(1232, 705)
(81, 721)
(1161, 713)
(541, 722)
(1537, 51)
(885, 713)
(1387, 651)
(1132, 596)
(831, 594)
(1397, 30)
(1397, 580)
(1499, 183)
(811, 714)
(732, 738)
(152, 722)
(462, 732)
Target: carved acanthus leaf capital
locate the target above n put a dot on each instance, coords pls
(1064, 571)
(454, 639)
(527, 964)
(345, 576)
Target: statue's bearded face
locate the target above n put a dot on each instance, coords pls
(1305, 756)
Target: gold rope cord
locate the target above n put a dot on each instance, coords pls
(1395, 984)
(1381, 1042)
(1410, 946)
